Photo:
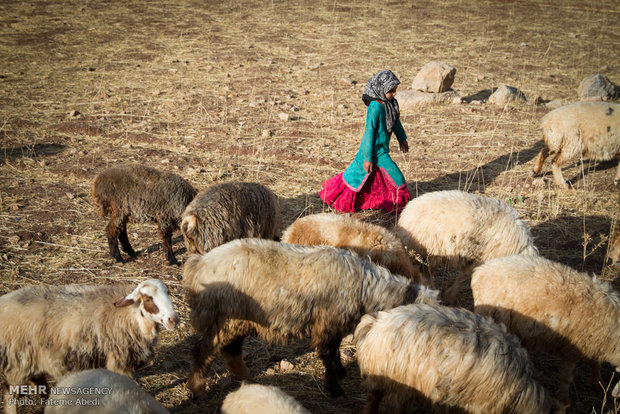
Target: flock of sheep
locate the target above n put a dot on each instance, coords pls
(329, 276)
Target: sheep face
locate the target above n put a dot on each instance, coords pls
(154, 302)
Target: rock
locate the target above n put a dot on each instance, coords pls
(434, 77)
(505, 94)
(347, 82)
(555, 104)
(286, 366)
(410, 99)
(598, 88)
(283, 116)
(70, 195)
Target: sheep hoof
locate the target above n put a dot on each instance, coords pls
(335, 390)
(196, 385)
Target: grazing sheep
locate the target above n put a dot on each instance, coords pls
(588, 129)
(283, 291)
(370, 241)
(450, 358)
(118, 394)
(48, 331)
(140, 194)
(552, 308)
(462, 229)
(228, 211)
(261, 399)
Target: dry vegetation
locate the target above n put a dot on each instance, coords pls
(197, 87)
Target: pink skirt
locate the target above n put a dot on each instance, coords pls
(378, 192)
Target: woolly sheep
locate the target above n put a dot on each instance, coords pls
(120, 394)
(446, 357)
(228, 211)
(140, 194)
(261, 399)
(462, 229)
(368, 240)
(48, 331)
(588, 129)
(552, 308)
(283, 291)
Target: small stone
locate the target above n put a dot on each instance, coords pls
(14, 239)
(15, 207)
(270, 371)
(283, 116)
(43, 163)
(286, 365)
(265, 133)
(70, 195)
(346, 81)
(165, 161)
(74, 114)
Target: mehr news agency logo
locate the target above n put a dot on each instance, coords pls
(73, 396)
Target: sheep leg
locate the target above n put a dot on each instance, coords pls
(8, 408)
(202, 359)
(595, 374)
(461, 279)
(558, 178)
(373, 399)
(542, 156)
(166, 236)
(124, 240)
(617, 178)
(566, 370)
(113, 231)
(328, 352)
(233, 360)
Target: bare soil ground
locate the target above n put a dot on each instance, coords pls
(197, 88)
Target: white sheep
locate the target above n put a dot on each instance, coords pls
(113, 393)
(447, 358)
(588, 129)
(140, 194)
(463, 230)
(368, 240)
(228, 211)
(49, 331)
(284, 291)
(261, 399)
(552, 308)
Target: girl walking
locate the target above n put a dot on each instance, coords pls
(373, 180)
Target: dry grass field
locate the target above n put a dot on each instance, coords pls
(200, 88)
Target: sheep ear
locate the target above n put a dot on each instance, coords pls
(189, 223)
(121, 303)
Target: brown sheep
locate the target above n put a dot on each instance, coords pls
(228, 211)
(140, 194)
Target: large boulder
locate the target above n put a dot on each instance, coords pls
(598, 88)
(409, 99)
(434, 77)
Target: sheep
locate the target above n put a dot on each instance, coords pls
(261, 399)
(448, 357)
(462, 229)
(117, 394)
(552, 308)
(140, 194)
(589, 129)
(282, 291)
(228, 211)
(48, 331)
(368, 240)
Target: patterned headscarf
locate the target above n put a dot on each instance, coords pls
(376, 89)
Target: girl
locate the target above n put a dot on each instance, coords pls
(373, 180)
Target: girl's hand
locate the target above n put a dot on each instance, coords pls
(404, 147)
(368, 166)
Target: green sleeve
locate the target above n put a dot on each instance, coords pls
(373, 117)
(399, 131)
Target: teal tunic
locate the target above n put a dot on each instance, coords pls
(375, 147)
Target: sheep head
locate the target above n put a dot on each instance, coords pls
(154, 302)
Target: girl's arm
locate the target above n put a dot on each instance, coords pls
(373, 116)
(401, 136)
